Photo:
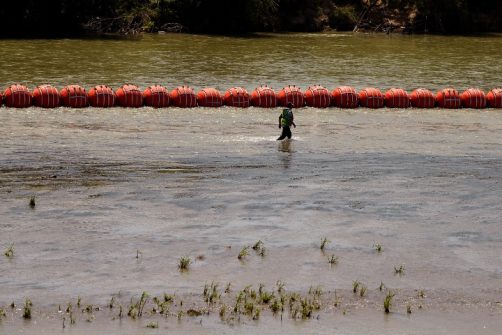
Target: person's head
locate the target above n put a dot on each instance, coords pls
(290, 105)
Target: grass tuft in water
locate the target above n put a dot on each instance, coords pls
(324, 243)
(408, 309)
(152, 325)
(355, 286)
(382, 286)
(27, 309)
(333, 260)
(184, 263)
(378, 247)
(243, 253)
(9, 252)
(399, 270)
(32, 202)
(387, 302)
(2, 313)
(362, 291)
(111, 304)
(12, 305)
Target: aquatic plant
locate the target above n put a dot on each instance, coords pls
(256, 314)
(138, 253)
(408, 308)
(228, 288)
(243, 253)
(276, 306)
(421, 294)
(258, 245)
(79, 300)
(9, 252)
(12, 305)
(136, 308)
(111, 304)
(152, 325)
(362, 291)
(2, 313)
(211, 293)
(324, 243)
(223, 311)
(382, 286)
(399, 270)
(378, 247)
(387, 302)
(184, 263)
(355, 286)
(32, 202)
(332, 260)
(27, 309)
(280, 286)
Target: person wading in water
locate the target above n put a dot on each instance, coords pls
(286, 119)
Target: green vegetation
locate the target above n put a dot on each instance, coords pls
(243, 253)
(9, 252)
(67, 18)
(324, 243)
(32, 202)
(184, 263)
(27, 309)
(387, 302)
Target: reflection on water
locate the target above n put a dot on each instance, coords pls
(285, 148)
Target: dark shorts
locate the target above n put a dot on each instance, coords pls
(286, 132)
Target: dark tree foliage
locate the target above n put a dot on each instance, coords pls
(69, 17)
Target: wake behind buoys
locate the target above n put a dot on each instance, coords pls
(397, 98)
(473, 98)
(17, 96)
(129, 96)
(344, 97)
(291, 94)
(264, 97)
(448, 98)
(184, 97)
(494, 98)
(101, 96)
(371, 97)
(317, 96)
(156, 96)
(46, 96)
(422, 98)
(209, 97)
(73, 96)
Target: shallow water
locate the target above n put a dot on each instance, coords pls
(425, 184)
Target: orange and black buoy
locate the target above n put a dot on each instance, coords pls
(46, 96)
(264, 97)
(397, 98)
(73, 96)
(101, 96)
(17, 96)
(209, 97)
(422, 98)
(371, 97)
(317, 96)
(129, 96)
(291, 94)
(236, 97)
(184, 97)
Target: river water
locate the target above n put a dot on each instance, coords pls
(122, 194)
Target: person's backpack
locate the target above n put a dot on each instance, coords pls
(288, 116)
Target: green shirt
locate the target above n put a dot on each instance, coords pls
(286, 117)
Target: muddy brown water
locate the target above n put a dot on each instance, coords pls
(425, 184)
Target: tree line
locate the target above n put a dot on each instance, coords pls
(69, 17)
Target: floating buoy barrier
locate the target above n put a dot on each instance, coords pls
(344, 97)
(422, 98)
(209, 97)
(101, 96)
(46, 96)
(129, 96)
(264, 97)
(156, 96)
(73, 96)
(448, 98)
(371, 97)
(317, 96)
(473, 98)
(236, 97)
(494, 98)
(291, 94)
(184, 97)
(17, 96)
(397, 98)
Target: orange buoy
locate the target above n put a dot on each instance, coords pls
(156, 96)
(17, 96)
(264, 97)
(422, 98)
(448, 98)
(291, 94)
(397, 98)
(209, 97)
(317, 96)
(46, 96)
(73, 96)
(494, 98)
(371, 97)
(184, 97)
(236, 97)
(345, 97)
(101, 96)
(129, 96)
(473, 98)
(1, 99)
